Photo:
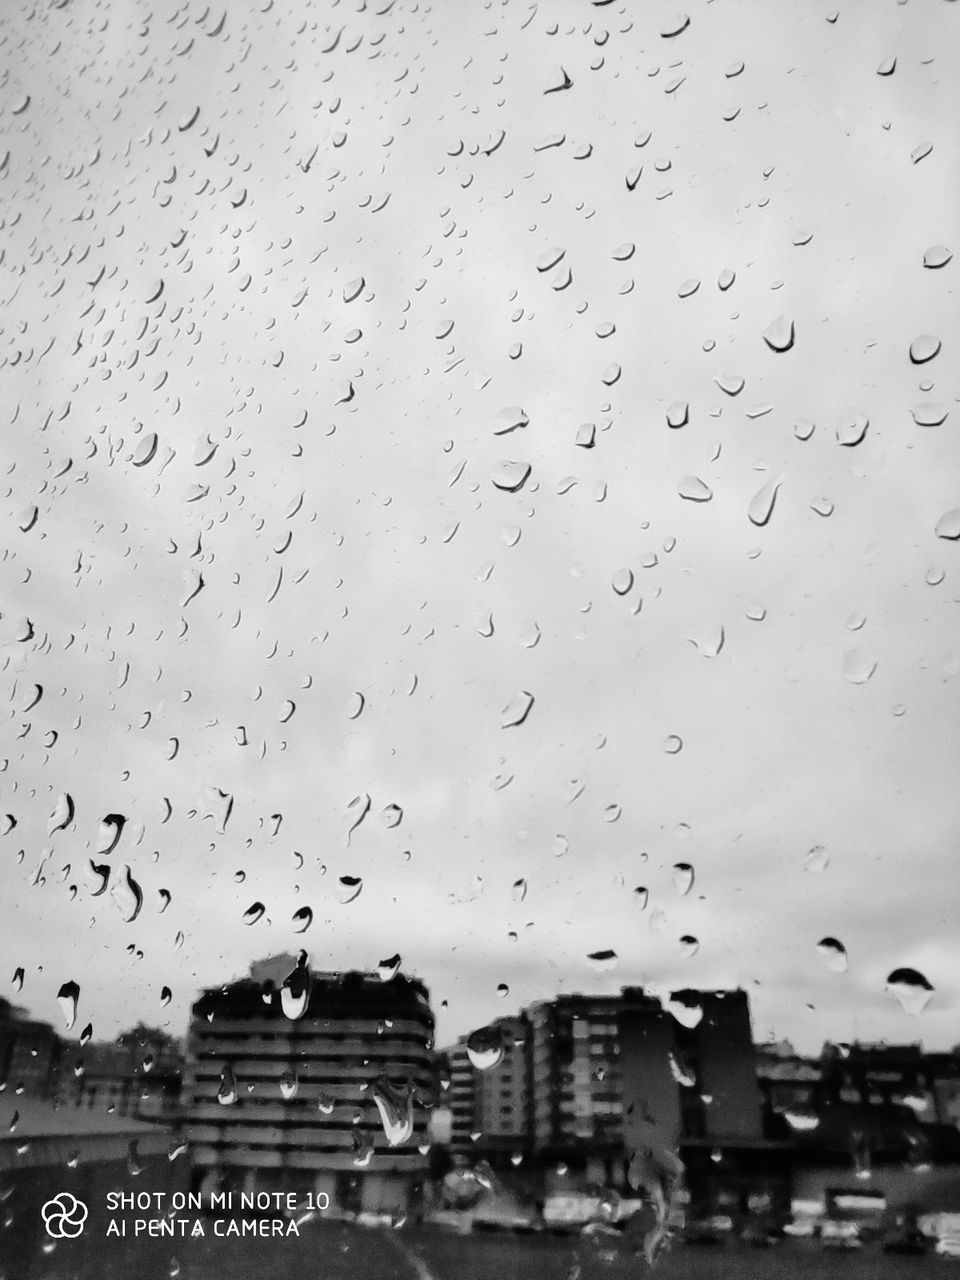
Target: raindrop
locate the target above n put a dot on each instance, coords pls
(929, 414)
(485, 1048)
(62, 814)
(851, 430)
(817, 859)
(254, 913)
(603, 961)
(396, 1111)
(674, 27)
(388, 969)
(779, 334)
(516, 710)
(678, 415)
(510, 476)
(348, 889)
(761, 507)
(858, 665)
(833, 954)
(622, 581)
(509, 420)
(686, 1008)
(302, 919)
(729, 383)
(68, 998)
(227, 1092)
(911, 990)
(938, 255)
(694, 490)
(672, 744)
(683, 877)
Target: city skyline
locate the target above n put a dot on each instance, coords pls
(480, 485)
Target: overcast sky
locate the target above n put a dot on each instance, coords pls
(345, 262)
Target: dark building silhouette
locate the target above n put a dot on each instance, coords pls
(30, 1053)
(608, 1076)
(313, 1082)
(490, 1108)
(138, 1075)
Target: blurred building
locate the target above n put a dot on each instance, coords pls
(489, 1108)
(596, 1079)
(576, 1103)
(787, 1080)
(320, 1082)
(461, 1097)
(30, 1053)
(137, 1075)
(884, 1075)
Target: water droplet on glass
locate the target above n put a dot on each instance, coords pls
(858, 665)
(851, 430)
(929, 414)
(388, 969)
(510, 476)
(516, 710)
(685, 1007)
(761, 507)
(779, 334)
(227, 1092)
(938, 255)
(672, 744)
(683, 877)
(485, 1048)
(68, 998)
(817, 859)
(678, 415)
(694, 490)
(924, 348)
(833, 955)
(910, 989)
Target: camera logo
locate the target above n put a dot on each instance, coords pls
(64, 1216)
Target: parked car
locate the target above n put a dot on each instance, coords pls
(836, 1233)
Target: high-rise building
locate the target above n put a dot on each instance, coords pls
(576, 1103)
(502, 1091)
(489, 1105)
(461, 1098)
(318, 1082)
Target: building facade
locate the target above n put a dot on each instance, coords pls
(489, 1107)
(319, 1082)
